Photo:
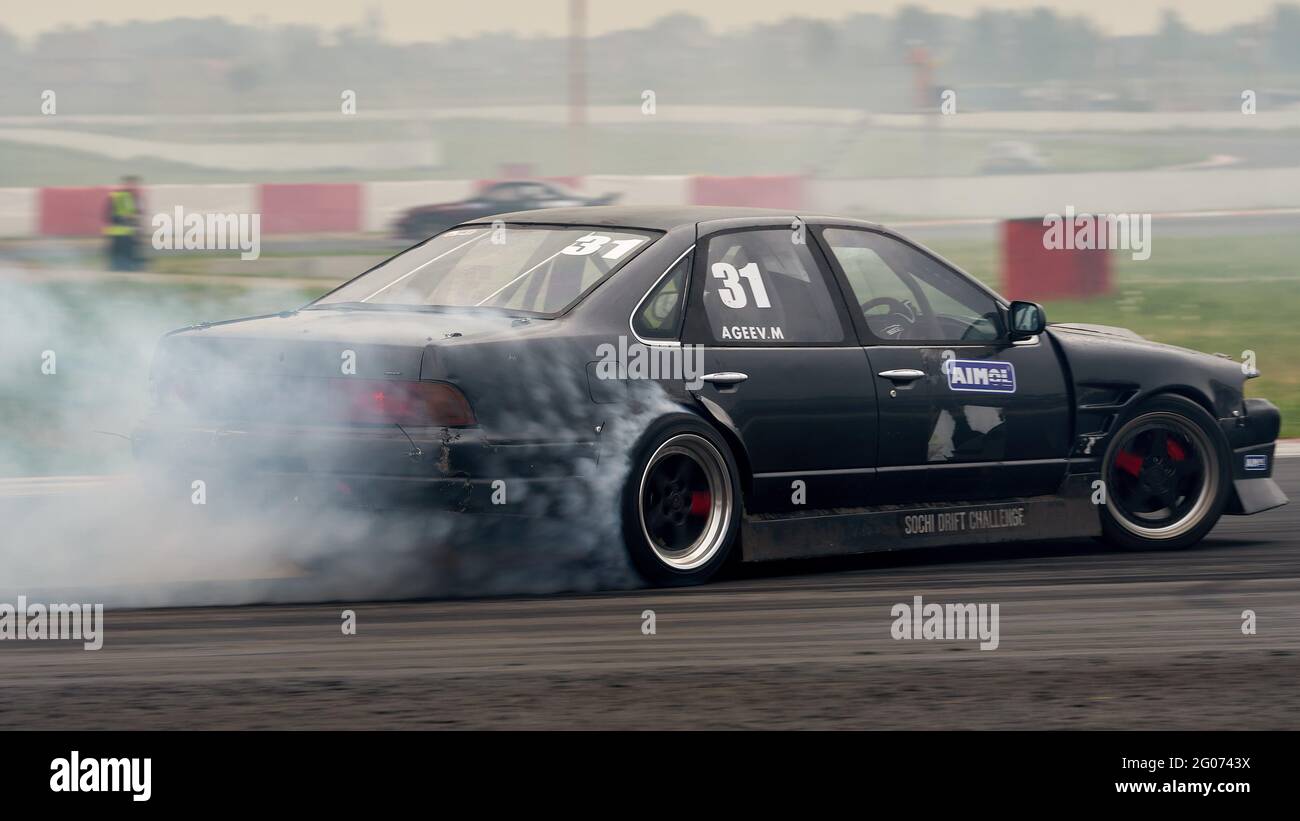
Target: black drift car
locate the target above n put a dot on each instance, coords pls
(726, 382)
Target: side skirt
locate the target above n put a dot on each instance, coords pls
(844, 531)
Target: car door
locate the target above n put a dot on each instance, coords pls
(784, 369)
(964, 413)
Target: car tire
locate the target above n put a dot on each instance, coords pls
(681, 507)
(1167, 476)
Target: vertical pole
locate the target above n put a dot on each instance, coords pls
(578, 90)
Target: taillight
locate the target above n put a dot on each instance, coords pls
(374, 401)
(222, 396)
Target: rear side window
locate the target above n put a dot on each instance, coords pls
(659, 316)
(763, 288)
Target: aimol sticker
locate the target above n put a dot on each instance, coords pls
(980, 375)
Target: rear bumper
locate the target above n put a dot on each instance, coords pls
(1253, 439)
(380, 466)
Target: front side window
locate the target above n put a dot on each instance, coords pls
(531, 269)
(763, 288)
(906, 295)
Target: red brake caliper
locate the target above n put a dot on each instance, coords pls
(701, 501)
(1175, 450)
(1130, 463)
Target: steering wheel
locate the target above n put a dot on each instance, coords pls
(897, 324)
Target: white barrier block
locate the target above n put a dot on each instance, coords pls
(201, 199)
(19, 212)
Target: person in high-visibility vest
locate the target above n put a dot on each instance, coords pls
(122, 218)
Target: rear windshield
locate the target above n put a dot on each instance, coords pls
(531, 269)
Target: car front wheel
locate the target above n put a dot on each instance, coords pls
(1166, 476)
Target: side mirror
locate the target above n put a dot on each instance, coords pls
(1027, 319)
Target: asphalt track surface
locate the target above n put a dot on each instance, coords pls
(1089, 638)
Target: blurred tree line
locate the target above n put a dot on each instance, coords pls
(1039, 58)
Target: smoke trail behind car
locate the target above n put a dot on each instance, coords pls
(76, 378)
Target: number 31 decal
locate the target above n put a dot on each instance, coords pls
(733, 291)
(591, 243)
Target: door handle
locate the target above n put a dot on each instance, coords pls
(901, 375)
(725, 378)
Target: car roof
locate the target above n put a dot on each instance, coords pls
(656, 217)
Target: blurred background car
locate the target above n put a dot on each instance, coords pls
(1013, 157)
(496, 198)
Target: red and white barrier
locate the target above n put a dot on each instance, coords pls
(309, 208)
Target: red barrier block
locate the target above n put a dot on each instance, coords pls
(73, 212)
(1031, 271)
(310, 208)
(783, 191)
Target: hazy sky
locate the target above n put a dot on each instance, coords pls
(417, 20)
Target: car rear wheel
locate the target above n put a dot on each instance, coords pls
(1167, 477)
(681, 504)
